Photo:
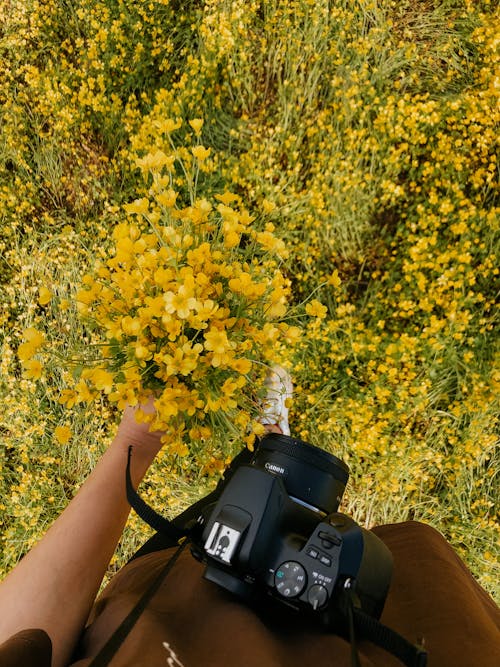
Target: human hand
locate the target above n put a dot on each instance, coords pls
(131, 431)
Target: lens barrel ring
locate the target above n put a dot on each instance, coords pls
(311, 476)
(306, 453)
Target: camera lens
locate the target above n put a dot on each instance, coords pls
(311, 476)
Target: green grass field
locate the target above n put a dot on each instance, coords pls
(361, 136)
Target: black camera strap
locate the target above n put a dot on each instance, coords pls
(365, 626)
(174, 536)
(147, 513)
(113, 644)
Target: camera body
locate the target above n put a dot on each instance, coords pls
(275, 529)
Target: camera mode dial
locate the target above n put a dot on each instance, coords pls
(290, 579)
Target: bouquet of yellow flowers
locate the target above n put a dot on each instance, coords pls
(191, 301)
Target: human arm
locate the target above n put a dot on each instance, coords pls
(54, 586)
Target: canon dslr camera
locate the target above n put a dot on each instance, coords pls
(276, 529)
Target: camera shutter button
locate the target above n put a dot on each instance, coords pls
(336, 521)
(317, 596)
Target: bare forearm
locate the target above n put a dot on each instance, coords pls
(54, 586)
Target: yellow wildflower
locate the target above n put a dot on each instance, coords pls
(216, 341)
(268, 206)
(32, 369)
(227, 198)
(102, 380)
(168, 125)
(316, 309)
(201, 153)
(155, 161)
(196, 124)
(334, 279)
(44, 296)
(62, 434)
(241, 365)
(182, 302)
(167, 198)
(138, 206)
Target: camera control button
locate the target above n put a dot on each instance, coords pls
(336, 521)
(317, 596)
(290, 579)
(325, 560)
(329, 540)
(311, 551)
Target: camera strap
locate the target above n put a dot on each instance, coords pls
(113, 644)
(147, 513)
(369, 628)
(174, 536)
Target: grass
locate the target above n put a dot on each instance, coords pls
(365, 132)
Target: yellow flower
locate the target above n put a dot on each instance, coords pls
(68, 397)
(138, 206)
(200, 152)
(182, 303)
(196, 124)
(231, 239)
(167, 198)
(172, 326)
(25, 351)
(102, 379)
(32, 369)
(167, 405)
(44, 296)
(155, 161)
(216, 341)
(212, 404)
(316, 309)
(168, 125)
(244, 284)
(62, 434)
(142, 352)
(242, 366)
(334, 279)
(249, 441)
(131, 326)
(205, 310)
(184, 359)
(292, 334)
(258, 429)
(34, 340)
(227, 198)
(268, 206)
(271, 243)
(178, 447)
(35, 337)
(200, 433)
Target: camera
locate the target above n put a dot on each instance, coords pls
(275, 530)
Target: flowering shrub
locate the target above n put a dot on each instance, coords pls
(190, 302)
